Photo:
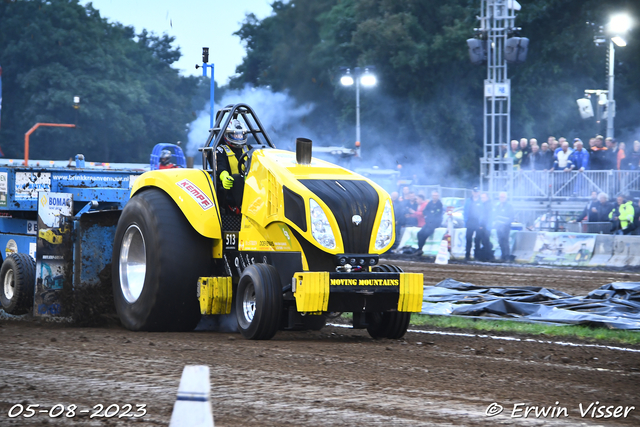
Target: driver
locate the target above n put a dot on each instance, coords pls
(229, 154)
(165, 160)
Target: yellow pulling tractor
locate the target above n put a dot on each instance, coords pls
(304, 247)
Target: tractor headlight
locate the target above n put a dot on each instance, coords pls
(385, 230)
(320, 227)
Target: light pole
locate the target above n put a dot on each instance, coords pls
(618, 26)
(205, 66)
(367, 79)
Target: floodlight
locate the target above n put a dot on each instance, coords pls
(76, 100)
(619, 41)
(620, 23)
(346, 80)
(602, 99)
(368, 79)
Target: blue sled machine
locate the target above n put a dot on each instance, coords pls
(57, 227)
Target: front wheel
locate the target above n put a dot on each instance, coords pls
(393, 324)
(259, 302)
(157, 259)
(17, 277)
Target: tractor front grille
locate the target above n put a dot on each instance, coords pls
(345, 199)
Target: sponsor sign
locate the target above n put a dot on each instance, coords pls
(12, 248)
(53, 251)
(364, 282)
(28, 184)
(52, 206)
(3, 189)
(198, 195)
(563, 248)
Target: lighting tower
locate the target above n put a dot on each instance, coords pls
(496, 42)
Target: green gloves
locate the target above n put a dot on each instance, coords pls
(227, 180)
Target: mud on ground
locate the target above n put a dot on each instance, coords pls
(335, 376)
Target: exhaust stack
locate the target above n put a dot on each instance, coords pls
(303, 151)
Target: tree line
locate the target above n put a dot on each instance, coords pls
(130, 96)
(428, 103)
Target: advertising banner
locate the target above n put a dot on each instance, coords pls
(563, 248)
(54, 255)
(3, 189)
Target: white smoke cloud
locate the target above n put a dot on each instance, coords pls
(279, 113)
(285, 120)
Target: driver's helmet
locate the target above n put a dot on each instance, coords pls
(165, 157)
(236, 134)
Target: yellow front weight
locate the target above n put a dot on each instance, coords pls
(312, 291)
(215, 295)
(411, 292)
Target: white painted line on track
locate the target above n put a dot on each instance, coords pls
(459, 334)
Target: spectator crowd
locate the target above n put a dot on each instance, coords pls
(481, 215)
(623, 214)
(557, 154)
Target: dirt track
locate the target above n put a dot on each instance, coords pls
(333, 377)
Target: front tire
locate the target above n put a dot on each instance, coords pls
(259, 302)
(157, 259)
(393, 324)
(17, 277)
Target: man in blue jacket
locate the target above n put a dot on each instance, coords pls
(578, 161)
(472, 215)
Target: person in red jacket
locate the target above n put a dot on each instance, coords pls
(419, 212)
(431, 219)
(165, 160)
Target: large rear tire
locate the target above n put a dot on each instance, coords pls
(157, 259)
(259, 302)
(393, 324)
(17, 277)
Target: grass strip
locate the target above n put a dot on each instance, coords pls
(574, 331)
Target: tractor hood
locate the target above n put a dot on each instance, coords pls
(286, 164)
(334, 209)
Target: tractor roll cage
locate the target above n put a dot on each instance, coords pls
(223, 118)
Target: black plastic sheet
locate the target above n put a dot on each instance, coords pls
(616, 305)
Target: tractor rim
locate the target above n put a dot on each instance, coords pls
(249, 303)
(9, 285)
(133, 263)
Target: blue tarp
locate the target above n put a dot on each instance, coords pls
(616, 305)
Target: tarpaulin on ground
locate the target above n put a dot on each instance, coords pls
(616, 305)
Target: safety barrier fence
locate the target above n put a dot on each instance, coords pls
(545, 248)
(559, 185)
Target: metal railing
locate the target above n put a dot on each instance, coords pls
(444, 191)
(560, 185)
